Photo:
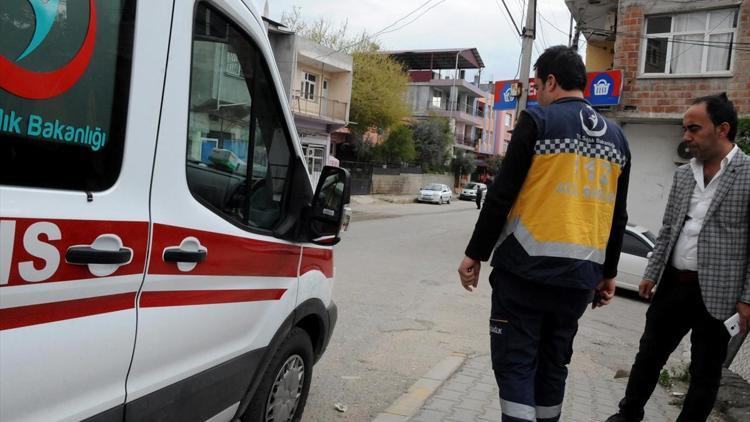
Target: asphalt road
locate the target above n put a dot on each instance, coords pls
(401, 308)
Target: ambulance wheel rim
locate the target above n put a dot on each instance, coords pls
(286, 391)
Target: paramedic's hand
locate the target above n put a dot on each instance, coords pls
(646, 288)
(468, 271)
(603, 293)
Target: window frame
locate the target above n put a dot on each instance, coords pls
(640, 242)
(707, 32)
(283, 120)
(307, 83)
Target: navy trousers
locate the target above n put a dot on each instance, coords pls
(532, 326)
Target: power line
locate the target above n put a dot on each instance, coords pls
(413, 20)
(510, 15)
(518, 41)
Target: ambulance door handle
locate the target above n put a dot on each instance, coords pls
(85, 255)
(187, 255)
(181, 255)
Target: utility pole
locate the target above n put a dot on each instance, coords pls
(528, 35)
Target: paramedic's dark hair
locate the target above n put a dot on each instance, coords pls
(565, 64)
(720, 110)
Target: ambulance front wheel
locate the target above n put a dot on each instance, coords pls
(282, 394)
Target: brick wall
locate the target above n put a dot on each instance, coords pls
(670, 98)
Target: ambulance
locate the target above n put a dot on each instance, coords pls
(163, 252)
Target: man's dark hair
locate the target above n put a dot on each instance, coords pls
(720, 110)
(567, 66)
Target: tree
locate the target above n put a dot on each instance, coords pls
(378, 92)
(398, 147)
(463, 164)
(494, 163)
(432, 139)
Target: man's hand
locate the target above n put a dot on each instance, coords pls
(468, 271)
(603, 293)
(744, 310)
(646, 288)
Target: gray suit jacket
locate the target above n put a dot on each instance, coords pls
(723, 243)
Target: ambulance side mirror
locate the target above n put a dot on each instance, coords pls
(330, 206)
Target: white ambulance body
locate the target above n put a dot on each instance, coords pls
(162, 253)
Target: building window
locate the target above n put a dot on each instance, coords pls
(508, 120)
(689, 43)
(308, 86)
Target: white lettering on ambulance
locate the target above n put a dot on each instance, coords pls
(7, 237)
(42, 250)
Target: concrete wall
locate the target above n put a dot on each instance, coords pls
(599, 55)
(407, 184)
(653, 148)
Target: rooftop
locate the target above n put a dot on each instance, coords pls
(466, 58)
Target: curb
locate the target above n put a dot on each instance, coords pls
(410, 402)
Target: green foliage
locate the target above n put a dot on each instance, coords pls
(397, 148)
(665, 380)
(743, 134)
(494, 163)
(432, 138)
(378, 92)
(463, 163)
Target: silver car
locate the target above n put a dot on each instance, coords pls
(637, 247)
(435, 192)
(470, 190)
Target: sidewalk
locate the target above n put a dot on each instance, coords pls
(591, 395)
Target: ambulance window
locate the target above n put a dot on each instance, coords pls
(238, 152)
(64, 92)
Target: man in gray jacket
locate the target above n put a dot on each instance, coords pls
(701, 262)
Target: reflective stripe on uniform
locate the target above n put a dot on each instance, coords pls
(518, 410)
(548, 412)
(551, 249)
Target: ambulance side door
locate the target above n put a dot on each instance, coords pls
(219, 284)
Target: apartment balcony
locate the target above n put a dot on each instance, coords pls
(465, 142)
(321, 108)
(463, 112)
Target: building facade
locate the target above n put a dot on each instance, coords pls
(438, 87)
(318, 81)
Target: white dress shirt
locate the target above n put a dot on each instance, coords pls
(685, 253)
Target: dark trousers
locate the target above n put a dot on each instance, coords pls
(677, 308)
(532, 327)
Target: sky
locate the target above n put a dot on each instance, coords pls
(482, 24)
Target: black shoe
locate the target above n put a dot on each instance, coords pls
(617, 418)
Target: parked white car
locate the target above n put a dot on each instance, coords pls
(637, 247)
(470, 190)
(435, 192)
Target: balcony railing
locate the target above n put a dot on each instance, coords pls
(321, 107)
(466, 140)
(462, 108)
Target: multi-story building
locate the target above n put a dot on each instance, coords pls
(318, 80)
(669, 52)
(437, 87)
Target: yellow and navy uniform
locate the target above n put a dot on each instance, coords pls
(559, 198)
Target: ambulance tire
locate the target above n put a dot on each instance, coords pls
(293, 359)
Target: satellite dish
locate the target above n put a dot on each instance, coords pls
(683, 151)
